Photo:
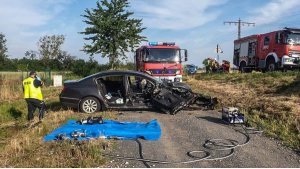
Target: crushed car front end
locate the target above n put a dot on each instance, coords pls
(173, 97)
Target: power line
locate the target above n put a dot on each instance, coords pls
(239, 23)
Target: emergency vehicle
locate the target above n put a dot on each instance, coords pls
(162, 60)
(268, 52)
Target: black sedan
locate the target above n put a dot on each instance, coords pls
(129, 90)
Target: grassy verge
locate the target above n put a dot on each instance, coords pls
(11, 84)
(24, 147)
(21, 146)
(270, 100)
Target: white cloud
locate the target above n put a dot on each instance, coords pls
(28, 13)
(21, 21)
(274, 11)
(176, 14)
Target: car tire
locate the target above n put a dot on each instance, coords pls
(90, 105)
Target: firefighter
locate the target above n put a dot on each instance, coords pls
(33, 96)
(214, 65)
(226, 66)
(207, 64)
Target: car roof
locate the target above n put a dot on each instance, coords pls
(118, 72)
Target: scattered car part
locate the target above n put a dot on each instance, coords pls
(62, 136)
(78, 133)
(91, 120)
(232, 115)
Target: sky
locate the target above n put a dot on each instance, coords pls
(195, 25)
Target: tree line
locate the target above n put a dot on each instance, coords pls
(111, 33)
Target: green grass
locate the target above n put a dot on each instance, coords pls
(244, 77)
(269, 100)
(24, 147)
(284, 128)
(278, 82)
(10, 111)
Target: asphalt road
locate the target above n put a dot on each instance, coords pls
(188, 131)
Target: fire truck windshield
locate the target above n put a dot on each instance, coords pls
(293, 39)
(162, 55)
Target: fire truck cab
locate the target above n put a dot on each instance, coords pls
(162, 60)
(268, 52)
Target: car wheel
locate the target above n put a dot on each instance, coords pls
(90, 105)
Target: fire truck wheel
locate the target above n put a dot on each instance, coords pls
(270, 65)
(242, 67)
(284, 69)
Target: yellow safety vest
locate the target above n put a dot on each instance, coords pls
(30, 91)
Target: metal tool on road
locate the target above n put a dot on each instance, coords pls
(232, 115)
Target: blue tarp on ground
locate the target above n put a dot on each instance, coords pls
(109, 129)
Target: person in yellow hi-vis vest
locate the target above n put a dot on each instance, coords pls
(33, 96)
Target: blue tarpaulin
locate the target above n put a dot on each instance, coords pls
(109, 129)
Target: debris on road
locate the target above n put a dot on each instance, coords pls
(232, 115)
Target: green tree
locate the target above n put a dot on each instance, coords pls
(31, 54)
(111, 30)
(66, 60)
(49, 47)
(3, 51)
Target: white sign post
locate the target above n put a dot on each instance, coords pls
(57, 80)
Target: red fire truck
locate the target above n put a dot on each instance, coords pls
(268, 52)
(162, 60)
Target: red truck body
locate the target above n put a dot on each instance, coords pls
(163, 61)
(270, 51)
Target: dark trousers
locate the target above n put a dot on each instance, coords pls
(32, 104)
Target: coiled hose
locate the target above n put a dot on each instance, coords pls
(212, 144)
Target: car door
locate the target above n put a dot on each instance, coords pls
(112, 90)
(138, 91)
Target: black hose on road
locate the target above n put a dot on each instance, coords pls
(211, 144)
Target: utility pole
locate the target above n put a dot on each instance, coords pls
(219, 50)
(239, 23)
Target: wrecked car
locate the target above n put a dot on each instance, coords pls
(129, 90)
